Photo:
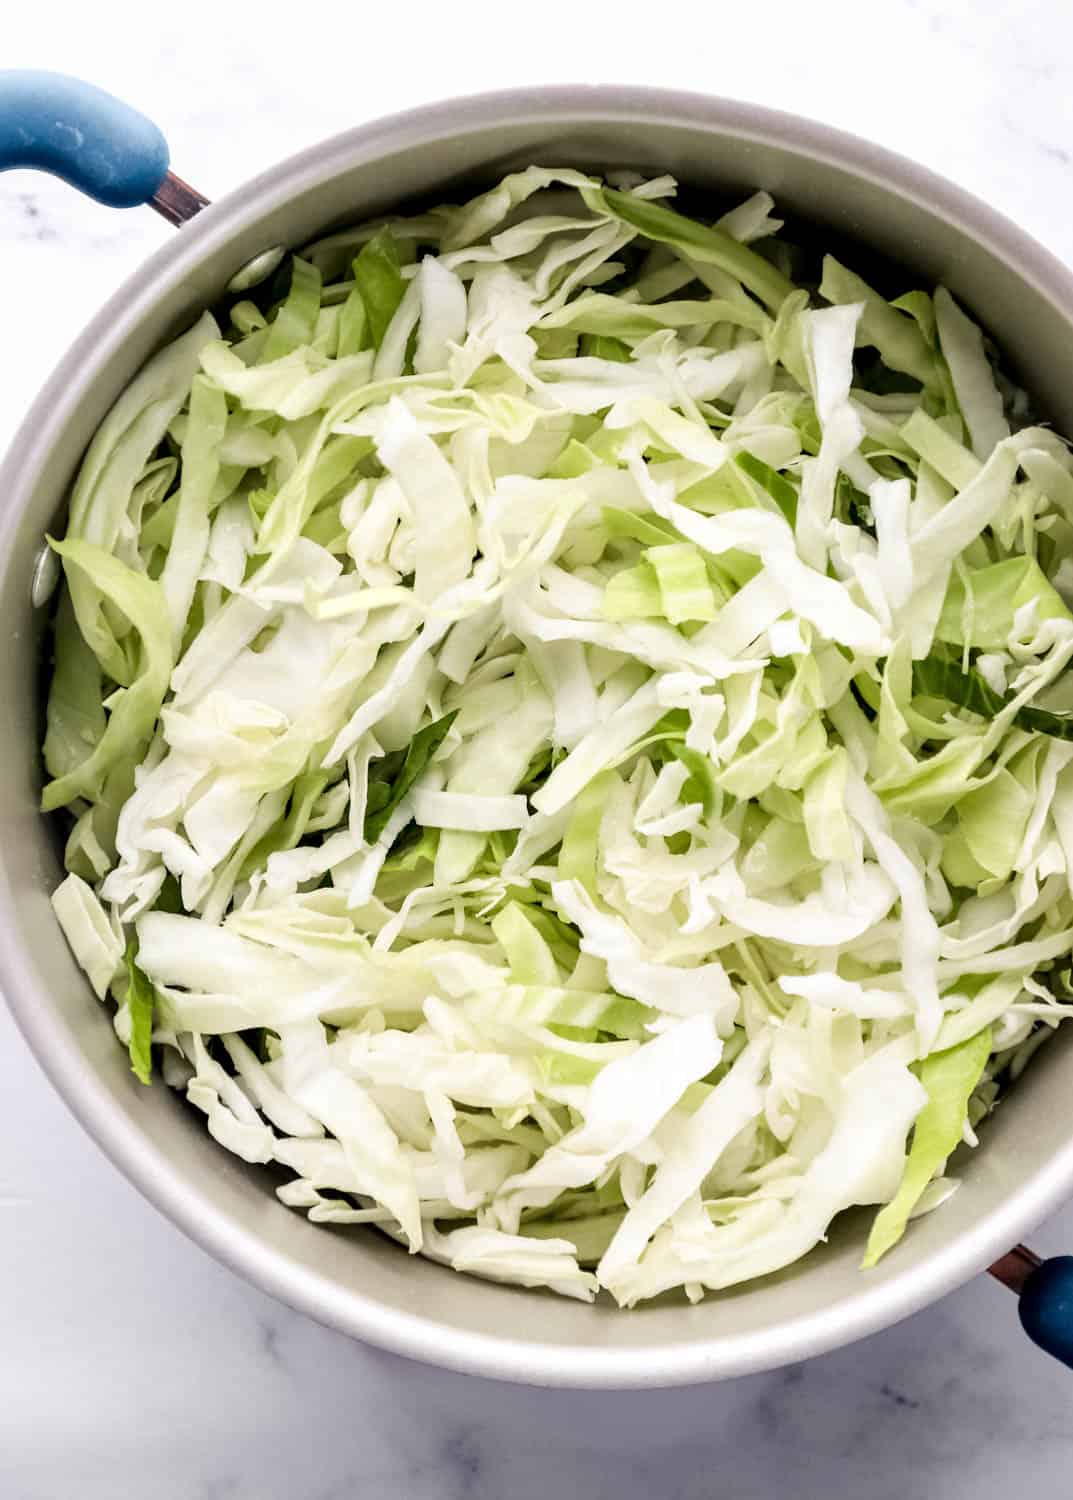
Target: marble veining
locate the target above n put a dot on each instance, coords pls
(132, 1364)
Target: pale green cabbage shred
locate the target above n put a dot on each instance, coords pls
(565, 736)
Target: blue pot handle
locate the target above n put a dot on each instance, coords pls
(1046, 1307)
(1044, 1289)
(78, 132)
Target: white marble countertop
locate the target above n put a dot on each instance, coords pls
(130, 1364)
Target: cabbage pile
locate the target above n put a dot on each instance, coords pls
(564, 718)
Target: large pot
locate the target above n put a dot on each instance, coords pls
(359, 1281)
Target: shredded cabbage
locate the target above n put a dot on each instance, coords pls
(566, 737)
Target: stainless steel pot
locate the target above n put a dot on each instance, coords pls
(358, 1281)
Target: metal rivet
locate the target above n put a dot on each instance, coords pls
(45, 577)
(257, 270)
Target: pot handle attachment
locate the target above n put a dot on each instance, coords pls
(92, 140)
(1045, 1292)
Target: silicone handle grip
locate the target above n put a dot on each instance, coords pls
(78, 132)
(1046, 1307)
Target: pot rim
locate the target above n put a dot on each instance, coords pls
(879, 1303)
